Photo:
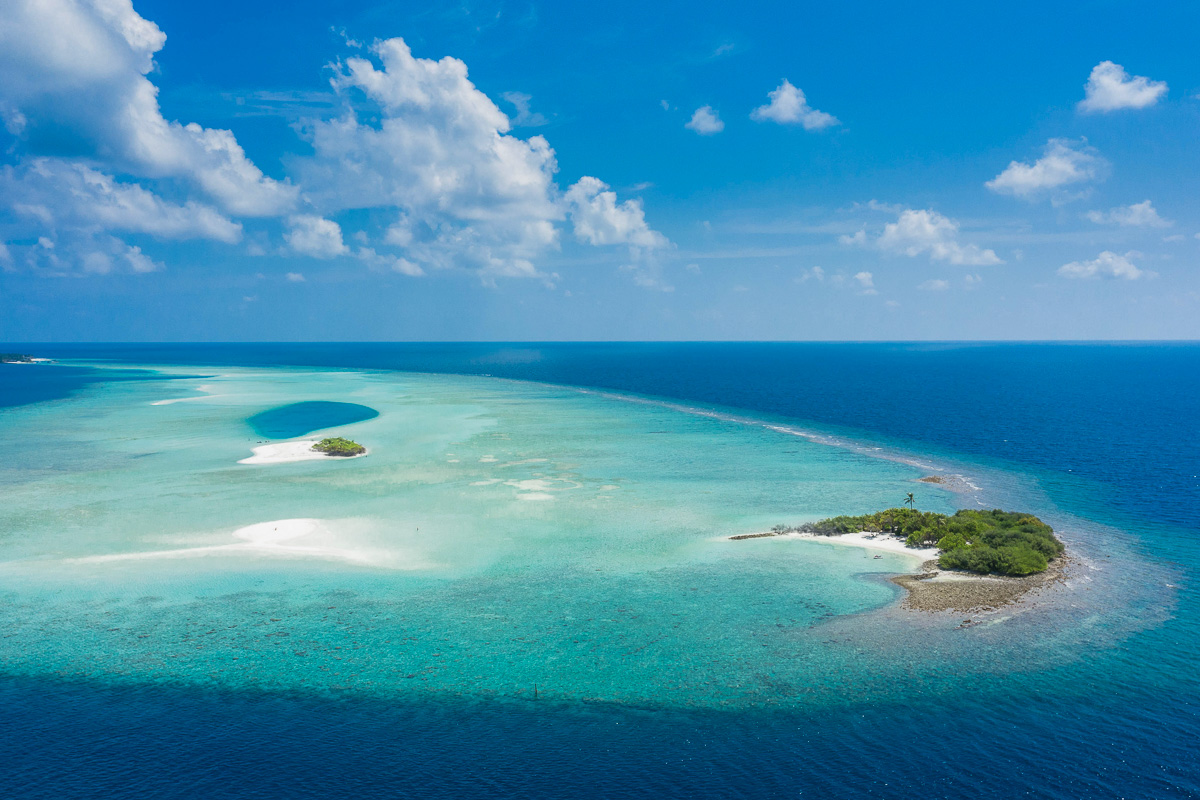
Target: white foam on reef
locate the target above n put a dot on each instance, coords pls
(284, 452)
(281, 538)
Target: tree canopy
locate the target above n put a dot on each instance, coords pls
(338, 446)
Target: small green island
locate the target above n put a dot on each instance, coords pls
(15, 358)
(985, 559)
(991, 542)
(340, 447)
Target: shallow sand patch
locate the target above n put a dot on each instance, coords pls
(207, 394)
(284, 538)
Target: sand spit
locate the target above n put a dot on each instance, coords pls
(285, 452)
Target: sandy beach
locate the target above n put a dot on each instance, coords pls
(285, 452)
(870, 541)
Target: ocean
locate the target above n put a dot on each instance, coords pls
(556, 515)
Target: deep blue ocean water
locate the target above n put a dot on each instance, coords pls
(297, 419)
(1109, 431)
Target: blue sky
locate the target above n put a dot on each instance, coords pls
(526, 171)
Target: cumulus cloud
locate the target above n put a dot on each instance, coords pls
(81, 252)
(1064, 162)
(56, 194)
(705, 121)
(1106, 265)
(73, 82)
(414, 141)
(934, 285)
(1110, 88)
(315, 236)
(465, 192)
(295, 277)
(599, 219)
(1138, 215)
(789, 106)
(924, 231)
(866, 282)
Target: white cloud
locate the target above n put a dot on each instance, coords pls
(971, 281)
(315, 236)
(1110, 88)
(705, 121)
(295, 277)
(466, 192)
(866, 282)
(1106, 265)
(73, 80)
(600, 220)
(935, 285)
(53, 193)
(1064, 162)
(82, 251)
(1138, 215)
(471, 196)
(924, 231)
(789, 106)
(524, 118)
(814, 274)
(389, 262)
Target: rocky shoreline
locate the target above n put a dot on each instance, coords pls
(934, 589)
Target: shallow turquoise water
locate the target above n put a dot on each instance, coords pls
(499, 535)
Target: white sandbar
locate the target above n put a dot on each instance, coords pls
(282, 538)
(284, 452)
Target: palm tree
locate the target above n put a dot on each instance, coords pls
(909, 501)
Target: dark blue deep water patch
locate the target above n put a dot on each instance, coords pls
(71, 740)
(297, 419)
(22, 384)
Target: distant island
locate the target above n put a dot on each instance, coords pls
(15, 358)
(338, 446)
(1016, 551)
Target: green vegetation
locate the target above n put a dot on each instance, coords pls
(339, 447)
(14, 358)
(987, 542)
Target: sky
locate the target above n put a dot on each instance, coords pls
(524, 171)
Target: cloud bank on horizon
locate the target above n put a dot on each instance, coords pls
(408, 167)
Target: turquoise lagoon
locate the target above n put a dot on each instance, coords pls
(501, 535)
